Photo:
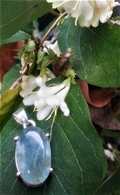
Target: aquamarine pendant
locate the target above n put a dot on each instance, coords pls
(32, 153)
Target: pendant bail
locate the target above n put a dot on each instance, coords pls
(21, 117)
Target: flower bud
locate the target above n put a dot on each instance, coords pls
(31, 46)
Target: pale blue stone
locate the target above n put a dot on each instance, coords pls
(33, 156)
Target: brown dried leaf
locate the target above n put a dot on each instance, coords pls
(104, 117)
(115, 103)
(97, 97)
(7, 57)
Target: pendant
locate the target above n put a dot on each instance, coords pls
(32, 152)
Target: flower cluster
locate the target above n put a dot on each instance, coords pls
(46, 99)
(87, 12)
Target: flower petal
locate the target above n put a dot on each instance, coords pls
(52, 101)
(87, 10)
(29, 100)
(40, 103)
(41, 93)
(42, 114)
(64, 108)
(49, 91)
(62, 94)
(53, 46)
(40, 82)
(28, 84)
(109, 154)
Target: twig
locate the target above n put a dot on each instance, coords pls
(54, 13)
(16, 83)
(50, 29)
(114, 21)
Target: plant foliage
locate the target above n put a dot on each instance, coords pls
(89, 60)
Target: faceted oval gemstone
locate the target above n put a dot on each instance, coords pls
(33, 156)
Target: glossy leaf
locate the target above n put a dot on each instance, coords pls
(16, 14)
(20, 35)
(7, 56)
(8, 78)
(110, 185)
(9, 102)
(78, 159)
(95, 52)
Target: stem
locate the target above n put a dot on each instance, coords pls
(50, 29)
(16, 83)
(54, 13)
(54, 116)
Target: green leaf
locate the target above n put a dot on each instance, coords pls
(10, 77)
(16, 14)
(44, 60)
(110, 133)
(110, 185)
(78, 159)
(9, 102)
(28, 28)
(20, 35)
(95, 52)
(10, 98)
(51, 57)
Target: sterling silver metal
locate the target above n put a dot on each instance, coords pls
(16, 138)
(18, 174)
(47, 135)
(51, 170)
(21, 117)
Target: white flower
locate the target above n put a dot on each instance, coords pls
(109, 154)
(27, 85)
(109, 146)
(88, 12)
(53, 46)
(29, 100)
(46, 99)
